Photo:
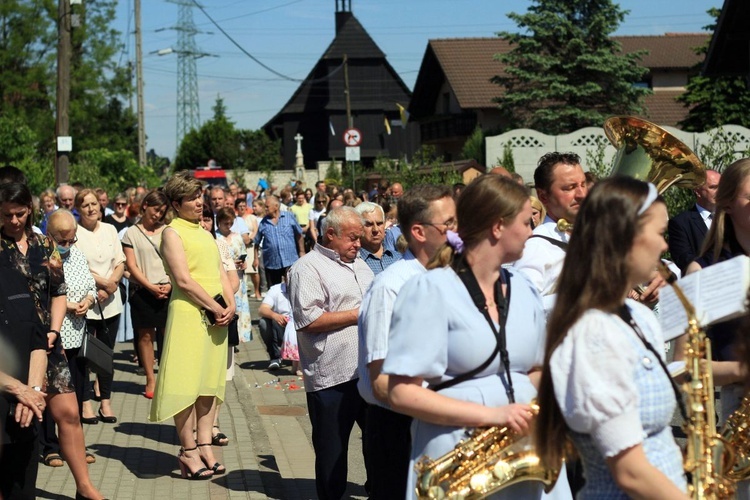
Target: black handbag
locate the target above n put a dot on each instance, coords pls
(97, 354)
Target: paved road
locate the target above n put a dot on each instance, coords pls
(269, 456)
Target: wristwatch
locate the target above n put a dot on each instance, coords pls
(37, 388)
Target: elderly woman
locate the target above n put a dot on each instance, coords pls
(193, 365)
(604, 385)
(100, 244)
(149, 283)
(224, 220)
(38, 260)
(119, 218)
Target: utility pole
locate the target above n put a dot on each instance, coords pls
(62, 125)
(349, 122)
(139, 86)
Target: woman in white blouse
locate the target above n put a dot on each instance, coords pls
(604, 385)
(100, 244)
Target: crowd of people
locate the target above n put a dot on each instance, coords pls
(414, 313)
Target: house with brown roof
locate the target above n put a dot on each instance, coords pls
(454, 92)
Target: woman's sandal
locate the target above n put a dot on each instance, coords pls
(219, 439)
(217, 467)
(53, 460)
(201, 474)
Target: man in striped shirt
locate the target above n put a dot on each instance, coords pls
(325, 289)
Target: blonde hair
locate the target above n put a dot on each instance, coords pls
(180, 185)
(535, 203)
(722, 233)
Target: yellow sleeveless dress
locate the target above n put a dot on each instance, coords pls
(194, 356)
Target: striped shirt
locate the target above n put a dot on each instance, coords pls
(279, 241)
(374, 322)
(318, 283)
(378, 264)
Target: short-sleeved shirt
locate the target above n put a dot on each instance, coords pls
(80, 284)
(277, 298)
(321, 282)
(613, 395)
(146, 256)
(302, 213)
(379, 264)
(542, 261)
(374, 321)
(103, 252)
(278, 241)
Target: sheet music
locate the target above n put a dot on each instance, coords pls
(717, 292)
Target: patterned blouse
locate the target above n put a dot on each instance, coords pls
(41, 266)
(80, 284)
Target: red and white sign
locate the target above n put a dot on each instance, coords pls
(352, 137)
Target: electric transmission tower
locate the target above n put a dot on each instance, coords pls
(188, 102)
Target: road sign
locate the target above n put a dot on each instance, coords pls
(352, 137)
(352, 153)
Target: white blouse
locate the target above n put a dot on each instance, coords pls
(103, 252)
(592, 373)
(80, 284)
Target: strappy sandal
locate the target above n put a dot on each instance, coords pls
(216, 467)
(199, 475)
(219, 439)
(53, 460)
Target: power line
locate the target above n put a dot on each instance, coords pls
(258, 61)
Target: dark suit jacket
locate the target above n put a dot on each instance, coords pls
(686, 234)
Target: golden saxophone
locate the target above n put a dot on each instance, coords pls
(489, 460)
(708, 457)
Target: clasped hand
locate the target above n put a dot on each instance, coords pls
(223, 315)
(31, 404)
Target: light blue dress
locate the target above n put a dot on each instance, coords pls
(437, 333)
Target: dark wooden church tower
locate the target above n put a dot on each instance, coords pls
(318, 108)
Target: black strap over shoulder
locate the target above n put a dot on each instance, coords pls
(560, 244)
(467, 277)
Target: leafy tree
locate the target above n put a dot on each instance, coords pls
(218, 139)
(715, 100)
(474, 147)
(565, 71)
(508, 162)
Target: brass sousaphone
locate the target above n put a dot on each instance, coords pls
(649, 153)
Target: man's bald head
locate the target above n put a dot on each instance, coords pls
(500, 170)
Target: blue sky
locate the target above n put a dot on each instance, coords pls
(291, 35)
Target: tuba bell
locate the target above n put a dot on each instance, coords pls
(649, 153)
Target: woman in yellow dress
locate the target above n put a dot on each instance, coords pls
(192, 370)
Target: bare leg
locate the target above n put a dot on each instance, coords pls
(256, 284)
(216, 430)
(204, 414)
(146, 355)
(189, 455)
(64, 409)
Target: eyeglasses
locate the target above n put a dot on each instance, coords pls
(66, 243)
(117, 204)
(449, 224)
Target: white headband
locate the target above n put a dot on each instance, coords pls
(650, 199)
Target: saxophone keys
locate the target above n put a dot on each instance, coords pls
(480, 482)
